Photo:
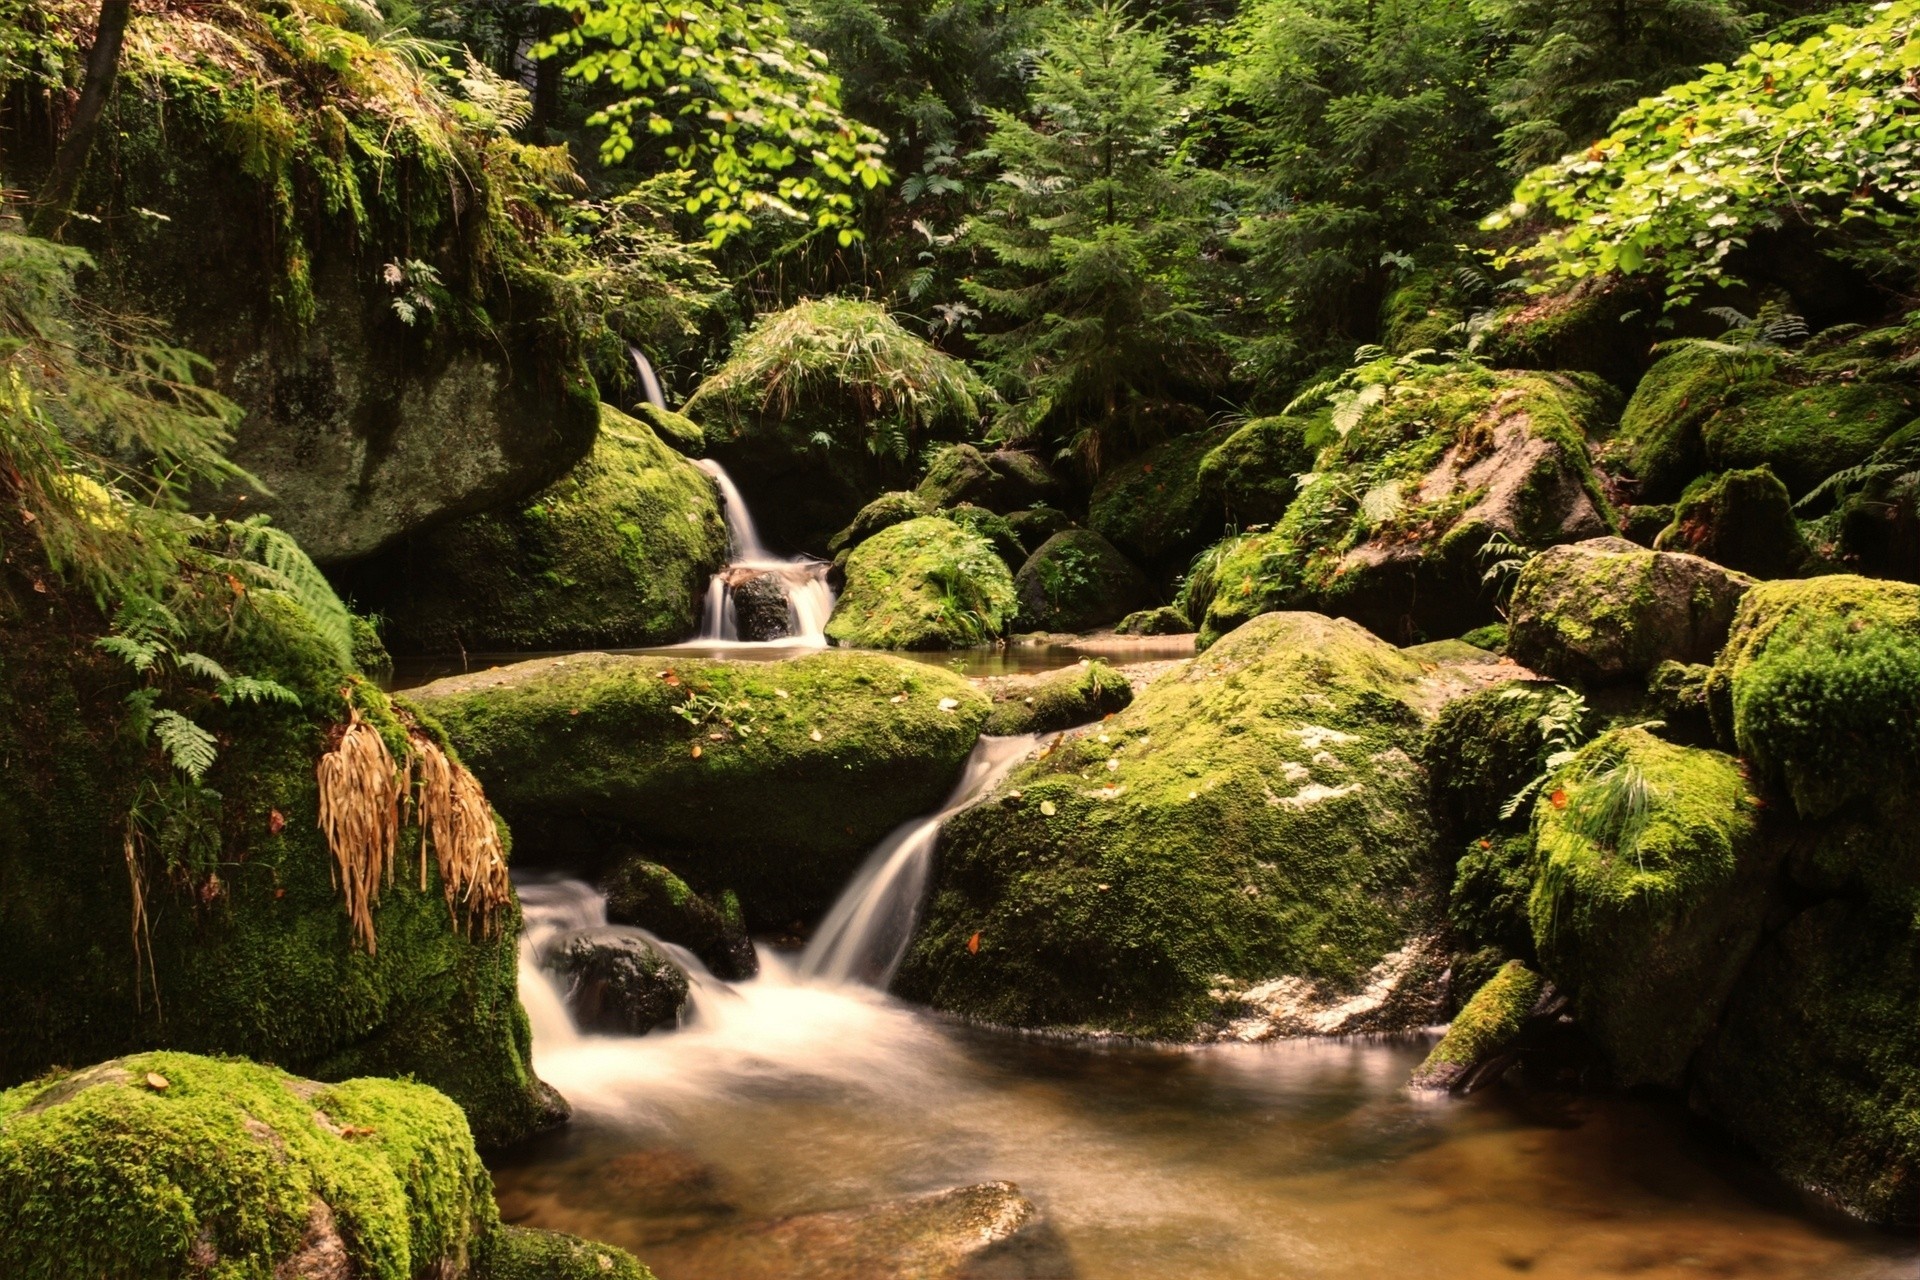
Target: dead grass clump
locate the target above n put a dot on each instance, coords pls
(360, 792)
(457, 820)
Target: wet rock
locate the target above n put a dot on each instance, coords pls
(760, 604)
(1166, 620)
(1478, 1044)
(519, 1253)
(1058, 700)
(1001, 480)
(925, 584)
(984, 1232)
(1607, 610)
(1077, 581)
(649, 896)
(618, 982)
(678, 430)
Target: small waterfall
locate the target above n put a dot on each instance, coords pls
(865, 935)
(648, 381)
(802, 580)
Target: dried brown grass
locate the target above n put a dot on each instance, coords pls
(360, 792)
(457, 821)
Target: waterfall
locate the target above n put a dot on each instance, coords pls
(802, 579)
(865, 935)
(648, 382)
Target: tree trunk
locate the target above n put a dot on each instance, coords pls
(70, 160)
(546, 78)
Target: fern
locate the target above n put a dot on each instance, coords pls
(189, 748)
(278, 564)
(1382, 503)
(200, 664)
(256, 689)
(1563, 728)
(138, 654)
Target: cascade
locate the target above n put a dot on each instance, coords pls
(800, 581)
(649, 382)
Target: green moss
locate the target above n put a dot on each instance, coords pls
(787, 774)
(619, 552)
(1420, 315)
(883, 512)
(516, 1253)
(1649, 892)
(677, 429)
(648, 895)
(1817, 1066)
(1077, 581)
(1660, 441)
(1254, 472)
(1819, 685)
(1741, 519)
(1253, 815)
(1599, 325)
(1487, 907)
(166, 1164)
(1484, 1028)
(370, 654)
(1678, 692)
(1166, 620)
(1037, 523)
(1078, 695)
(1607, 610)
(1492, 637)
(1481, 750)
(996, 529)
(1154, 507)
(924, 584)
(1000, 480)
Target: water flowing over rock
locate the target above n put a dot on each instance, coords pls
(760, 598)
(618, 981)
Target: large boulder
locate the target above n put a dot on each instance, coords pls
(883, 512)
(651, 897)
(769, 778)
(1077, 581)
(162, 1165)
(1398, 523)
(925, 584)
(1650, 887)
(1254, 474)
(226, 933)
(617, 552)
(1001, 480)
(1607, 610)
(1154, 508)
(1603, 325)
(1246, 846)
(1741, 519)
(393, 372)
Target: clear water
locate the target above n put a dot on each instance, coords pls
(1231, 1162)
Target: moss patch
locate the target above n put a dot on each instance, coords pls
(517, 1253)
(1077, 581)
(1481, 750)
(924, 584)
(1000, 480)
(883, 512)
(786, 774)
(1154, 507)
(1166, 620)
(1253, 815)
(1078, 695)
(619, 552)
(1253, 473)
(166, 1164)
(1743, 520)
(1482, 1030)
(678, 430)
(1649, 891)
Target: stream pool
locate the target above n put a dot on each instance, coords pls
(1229, 1162)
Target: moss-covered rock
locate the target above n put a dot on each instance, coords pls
(1248, 840)
(883, 512)
(1741, 519)
(1487, 906)
(1804, 415)
(1817, 1064)
(517, 1253)
(1608, 610)
(649, 896)
(1420, 314)
(1492, 637)
(1154, 508)
(1649, 892)
(1163, 620)
(924, 584)
(1483, 1032)
(995, 528)
(1001, 480)
(1602, 325)
(247, 947)
(1819, 685)
(770, 778)
(1678, 692)
(1483, 748)
(1077, 581)
(1036, 524)
(676, 429)
(1079, 694)
(1254, 473)
(162, 1165)
(1394, 527)
(1641, 523)
(618, 552)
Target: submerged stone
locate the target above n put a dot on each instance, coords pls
(617, 982)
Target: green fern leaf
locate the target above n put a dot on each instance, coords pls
(190, 748)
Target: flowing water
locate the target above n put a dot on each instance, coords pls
(809, 1089)
(802, 579)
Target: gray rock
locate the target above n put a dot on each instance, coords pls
(760, 604)
(619, 982)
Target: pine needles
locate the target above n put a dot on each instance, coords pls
(360, 793)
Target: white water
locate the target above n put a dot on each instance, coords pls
(804, 579)
(649, 382)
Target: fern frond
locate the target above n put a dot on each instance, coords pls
(201, 665)
(257, 690)
(189, 748)
(140, 656)
(281, 565)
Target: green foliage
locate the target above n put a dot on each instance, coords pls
(1093, 222)
(1562, 724)
(1818, 134)
(747, 111)
(1486, 1026)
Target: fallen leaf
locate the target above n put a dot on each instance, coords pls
(1103, 887)
(157, 1082)
(696, 751)
(898, 697)
(816, 735)
(276, 822)
(948, 704)
(973, 945)
(716, 737)
(1048, 808)
(780, 693)
(669, 677)
(1486, 844)
(1113, 763)
(1558, 799)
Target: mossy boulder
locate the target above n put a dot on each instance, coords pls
(1393, 529)
(1001, 480)
(1154, 508)
(1817, 1063)
(1420, 314)
(995, 528)
(1650, 888)
(1077, 581)
(247, 947)
(770, 778)
(1819, 686)
(1602, 325)
(1254, 473)
(162, 1165)
(618, 552)
(1162, 620)
(647, 895)
(1483, 748)
(1741, 519)
(1607, 610)
(1246, 843)
(1804, 415)
(518, 1253)
(1487, 906)
(1034, 525)
(924, 584)
(676, 429)
(883, 512)
(1079, 694)
(1483, 1032)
